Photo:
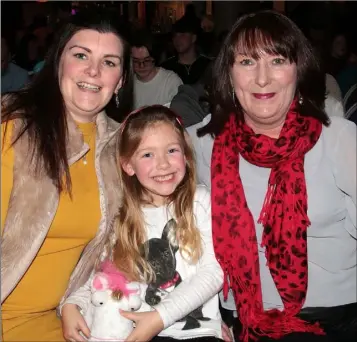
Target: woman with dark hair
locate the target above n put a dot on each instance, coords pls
(283, 182)
(59, 172)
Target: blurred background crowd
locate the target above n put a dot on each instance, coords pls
(182, 37)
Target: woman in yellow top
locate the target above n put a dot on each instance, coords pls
(59, 178)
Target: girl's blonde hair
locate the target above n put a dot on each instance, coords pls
(128, 254)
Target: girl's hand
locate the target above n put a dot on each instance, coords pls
(73, 323)
(147, 325)
(226, 333)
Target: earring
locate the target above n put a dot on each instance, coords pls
(233, 96)
(117, 100)
(301, 100)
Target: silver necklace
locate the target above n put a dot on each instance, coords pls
(188, 68)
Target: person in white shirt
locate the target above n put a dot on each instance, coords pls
(152, 84)
(162, 235)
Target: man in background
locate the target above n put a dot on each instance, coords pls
(188, 63)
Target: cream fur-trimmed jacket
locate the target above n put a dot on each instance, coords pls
(34, 201)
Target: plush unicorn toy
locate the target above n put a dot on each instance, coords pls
(110, 293)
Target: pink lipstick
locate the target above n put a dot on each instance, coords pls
(264, 96)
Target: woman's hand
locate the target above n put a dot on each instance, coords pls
(226, 333)
(73, 323)
(147, 325)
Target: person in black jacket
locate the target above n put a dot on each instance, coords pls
(188, 63)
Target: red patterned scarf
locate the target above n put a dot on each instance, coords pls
(283, 216)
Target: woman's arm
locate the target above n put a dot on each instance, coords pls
(344, 156)
(207, 282)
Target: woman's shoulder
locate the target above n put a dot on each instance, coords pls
(338, 143)
(202, 196)
(110, 124)
(5, 100)
(7, 115)
(340, 129)
(192, 130)
(203, 145)
(110, 127)
(338, 122)
(7, 128)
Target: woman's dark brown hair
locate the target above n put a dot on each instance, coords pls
(275, 34)
(41, 104)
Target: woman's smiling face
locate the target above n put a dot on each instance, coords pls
(264, 86)
(90, 72)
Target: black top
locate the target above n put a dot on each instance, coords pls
(189, 73)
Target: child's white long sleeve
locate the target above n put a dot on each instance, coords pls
(80, 297)
(208, 280)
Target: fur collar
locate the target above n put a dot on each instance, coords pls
(34, 200)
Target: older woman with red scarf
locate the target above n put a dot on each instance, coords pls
(283, 182)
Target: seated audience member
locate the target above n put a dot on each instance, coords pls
(12, 76)
(192, 101)
(152, 84)
(189, 103)
(188, 63)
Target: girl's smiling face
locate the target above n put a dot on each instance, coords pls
(159, 162)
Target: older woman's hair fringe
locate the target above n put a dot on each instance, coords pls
(129, 255)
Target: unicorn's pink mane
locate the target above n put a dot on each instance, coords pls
(116, 280)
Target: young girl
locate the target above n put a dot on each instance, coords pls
(162, 236)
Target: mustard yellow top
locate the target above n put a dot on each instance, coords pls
(28, 314)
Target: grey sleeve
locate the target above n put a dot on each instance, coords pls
(203, 152)
(344, 157)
